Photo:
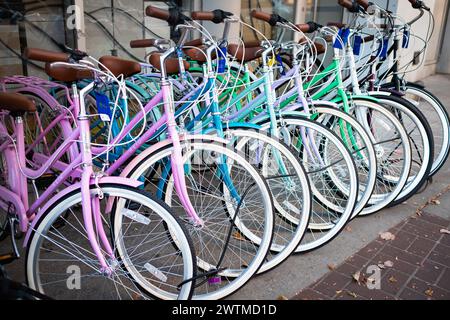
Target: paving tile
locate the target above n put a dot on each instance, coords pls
(347, 269)
(393, 281)
(371, 249)
(357, 260)
(423, 287)
(442, 249)
(403, 240)
(408, 294)
(402, 255)
(433, 219)
(421, 247)
(445, 240)
(429, 271)
(348, 295)
(333, 282)
(309, 294)
(418, 230)
(369, 294)
(440, 256)
(444, 282)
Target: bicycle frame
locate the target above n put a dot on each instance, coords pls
(90, 205)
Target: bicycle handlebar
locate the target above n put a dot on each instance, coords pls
(173, 16)
(364, 4)
(309, 27)
(271, 19)
(419, 4)
(350, 5)
(142, 43)
(216, 16)
(52, 56)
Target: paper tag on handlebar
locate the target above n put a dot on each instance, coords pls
(342, 38)
(382, 52)
(103, 107)
(405, 43)
(222, 59)
(280, 64)
(357, 45)
(181, 64)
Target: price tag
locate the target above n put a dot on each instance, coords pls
(103, 107)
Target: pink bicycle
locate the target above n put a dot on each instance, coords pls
(76, 245)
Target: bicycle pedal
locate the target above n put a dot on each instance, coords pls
(7, 258)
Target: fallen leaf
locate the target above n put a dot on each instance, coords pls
(238, 236)
(387, 236)
(357, 276)
(419, 213)
(348, 229)
(339, 292)
(392, 279)
(281, 297)
(371, 280)
(381, 266)
(331, 266)
(429, 292)
(446, 231)
(435, 202)
(388, 264)
(352, 294)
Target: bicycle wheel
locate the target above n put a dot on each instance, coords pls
(237, 233)
(393, 151)
(60, 261)
(288, 184)
(323, 154)
(438, 119)
(421, 138)
(359, 144)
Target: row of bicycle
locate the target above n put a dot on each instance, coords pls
(185, 176)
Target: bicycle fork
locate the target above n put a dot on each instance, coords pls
(91, 205)
(176, 158)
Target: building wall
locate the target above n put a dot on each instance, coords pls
(444, 59)
(430, 57)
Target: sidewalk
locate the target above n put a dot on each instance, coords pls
(413, 265)
(302, 272)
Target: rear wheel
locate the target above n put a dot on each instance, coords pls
(323, 155)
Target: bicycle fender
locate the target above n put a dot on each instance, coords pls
(41, 213)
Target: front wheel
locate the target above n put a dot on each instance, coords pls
(230, 197)
(61, 263)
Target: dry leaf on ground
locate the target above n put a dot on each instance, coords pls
(446, 231)
(429, 292)
(387, 236)
(388, 264)
(238, 236)
(357, 276)
(281, 297)
(331, 266)
(392, 279)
